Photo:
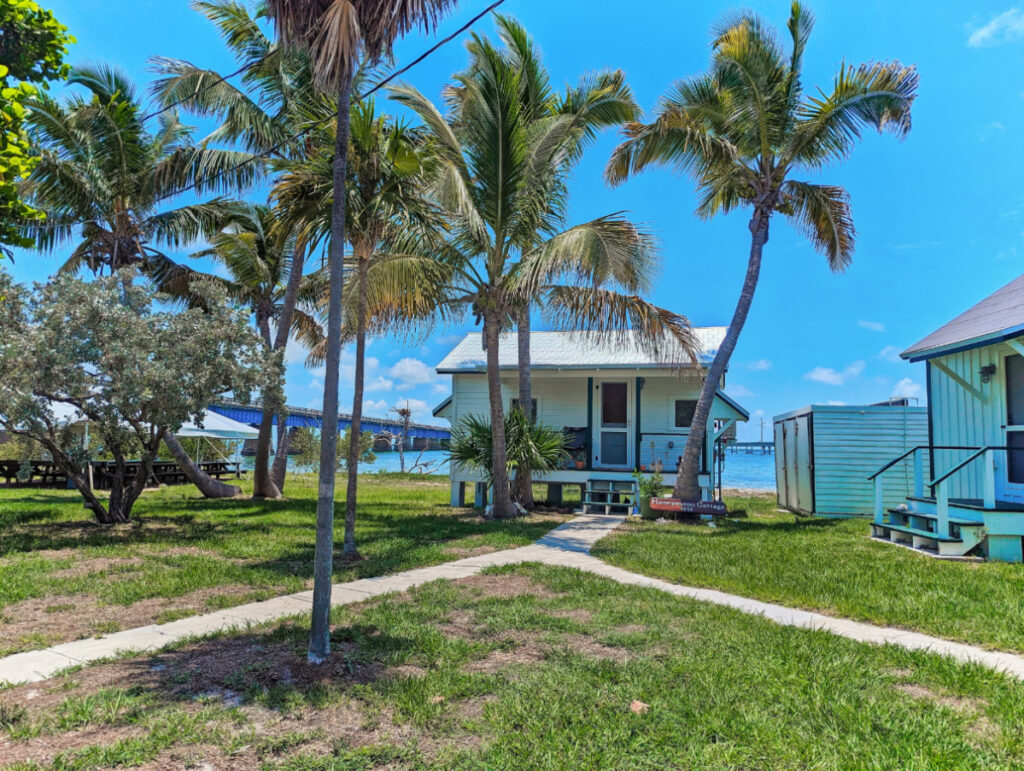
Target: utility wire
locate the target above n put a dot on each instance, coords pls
(312, 127)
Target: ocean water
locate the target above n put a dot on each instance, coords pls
(752, 472)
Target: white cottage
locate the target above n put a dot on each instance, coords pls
(625, 411)
(969, 481)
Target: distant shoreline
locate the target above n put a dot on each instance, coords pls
(747, 491)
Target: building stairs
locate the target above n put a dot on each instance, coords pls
(915, 524)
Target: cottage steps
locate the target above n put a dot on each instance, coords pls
(919, 530)
(609, 496)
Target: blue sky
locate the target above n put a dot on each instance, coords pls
(940, 215)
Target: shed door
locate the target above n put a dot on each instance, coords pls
(780, 463)
(804, 497)
(789, 442)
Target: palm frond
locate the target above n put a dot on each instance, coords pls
(609, 250)
(877, 95)
(622, 319)
(822, 213)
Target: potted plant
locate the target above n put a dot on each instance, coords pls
(579, 464)
(647, 487)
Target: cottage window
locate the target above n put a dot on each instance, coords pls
(684, 412)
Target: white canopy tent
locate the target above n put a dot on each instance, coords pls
(216, 426)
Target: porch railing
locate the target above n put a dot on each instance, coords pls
(938, 486)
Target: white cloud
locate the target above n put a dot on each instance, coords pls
(760, 365)
(758, 413)
(834, 403)
(1003, 28)
(376, 409)
(739, 392)
(380, 384)
(890, 353)
(874, 326)
(829, 376)
(411, 372)
(316, 384)
(907, 387)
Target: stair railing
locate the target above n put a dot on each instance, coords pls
(988, 484)
(919, 483)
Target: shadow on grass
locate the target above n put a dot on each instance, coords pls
(727, 527)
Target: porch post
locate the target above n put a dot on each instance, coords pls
(590, 423)
(918, 474)
(942, 508)
(639, 440)
(879, 500)
(988, 480)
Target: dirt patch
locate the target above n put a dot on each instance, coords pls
(629, 629)
(85, 567)
(506, 586)
(472, 710)
(495, 661)
(590, 647)
(579, 614)
(43, 749)
(459, 624)
(62, 618)
(923, 693)
(461, 552)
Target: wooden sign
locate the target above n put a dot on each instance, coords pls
(688, 507)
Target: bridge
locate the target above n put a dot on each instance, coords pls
(752, 448)
(386, 431)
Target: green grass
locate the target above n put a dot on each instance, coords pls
(831, 566)
(538, 670)
(180, 543)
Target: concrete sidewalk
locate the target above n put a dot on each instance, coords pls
(566, 546)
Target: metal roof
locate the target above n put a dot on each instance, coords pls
(998, 317)
(572, 350)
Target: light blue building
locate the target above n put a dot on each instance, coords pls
(968, 496)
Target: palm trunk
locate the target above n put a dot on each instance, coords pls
(349, 549)
(686, 487)
(524, 474)
(323, 560)
(280, 465)
(499, 474)
(262, 482)
(262, 485)
(284, 330)
(208, 486)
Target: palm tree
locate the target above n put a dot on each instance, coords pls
(264, 265)
(103, 175)
(386, 198)
(741, 131)
(264, 114)
(503, 150)
(336, 34)
(261, 111)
